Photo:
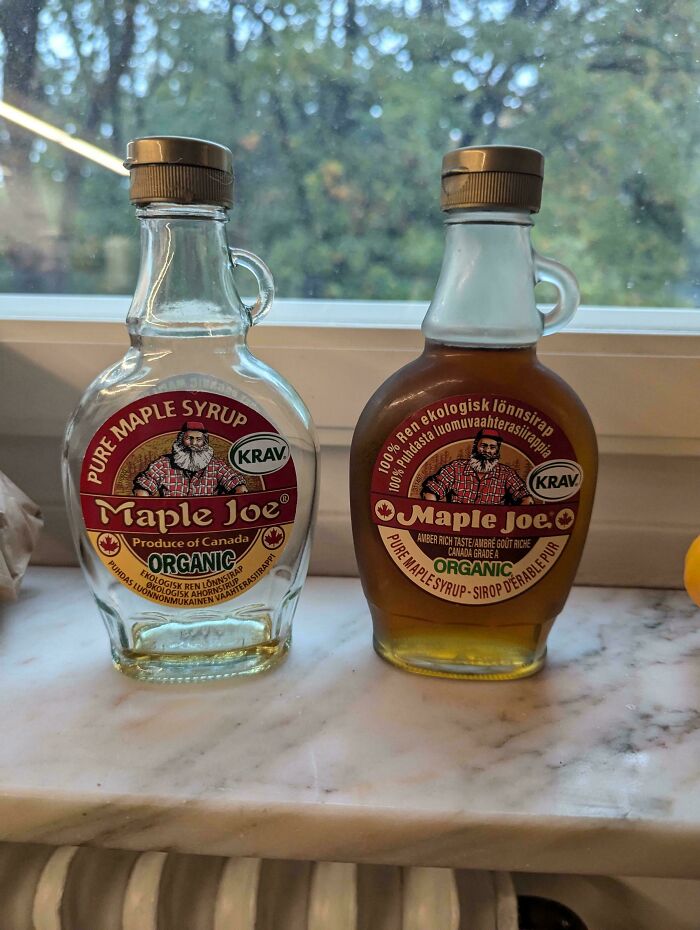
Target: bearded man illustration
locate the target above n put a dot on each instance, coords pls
(480, 479)
(190, 470)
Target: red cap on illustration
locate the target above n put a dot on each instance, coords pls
(489, 434)
(195, 425)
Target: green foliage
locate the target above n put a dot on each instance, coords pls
(338, 114)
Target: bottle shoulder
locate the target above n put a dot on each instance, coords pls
(238, 375)
(512, 374)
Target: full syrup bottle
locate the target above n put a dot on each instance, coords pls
(190, 466)
(474, 467)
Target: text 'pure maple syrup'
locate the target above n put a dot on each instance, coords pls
(474, 466)
(189, 465)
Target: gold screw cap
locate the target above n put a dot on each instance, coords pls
(176, 169)
(492, 176)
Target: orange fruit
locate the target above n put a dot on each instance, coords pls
(691, 573)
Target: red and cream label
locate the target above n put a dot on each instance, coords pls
(475, 497)
(188, 497)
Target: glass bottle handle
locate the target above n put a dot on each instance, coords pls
(266, 285)
(551, 272)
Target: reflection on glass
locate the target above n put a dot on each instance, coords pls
(338, 114)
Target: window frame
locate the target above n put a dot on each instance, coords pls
(637, 370)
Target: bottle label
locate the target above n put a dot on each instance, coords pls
(475, 497)
(188, 497)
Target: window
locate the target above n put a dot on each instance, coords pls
(338, 112)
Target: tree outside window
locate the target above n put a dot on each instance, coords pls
(338, 114)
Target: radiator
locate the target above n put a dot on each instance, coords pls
(81, 888)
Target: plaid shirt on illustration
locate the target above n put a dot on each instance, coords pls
(458, 483)
(163, 478)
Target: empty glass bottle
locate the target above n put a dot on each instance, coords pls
(190, 466)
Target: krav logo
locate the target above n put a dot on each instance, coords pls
(260, 454)
(556, 480)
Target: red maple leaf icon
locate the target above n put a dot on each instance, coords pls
(384, 510)
(564, 519)
(273, 537)
(109, 545)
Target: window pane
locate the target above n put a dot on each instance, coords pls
(338, 114)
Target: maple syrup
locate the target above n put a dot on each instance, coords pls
(474, 467)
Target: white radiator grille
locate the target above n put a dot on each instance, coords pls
(79, 888)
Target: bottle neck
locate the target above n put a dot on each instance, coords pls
(485, 294)
(185, 284)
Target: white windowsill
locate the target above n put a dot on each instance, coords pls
(347, 314)
(633, 367)
(637, 371)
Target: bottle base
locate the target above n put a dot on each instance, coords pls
(479, 652)
(200, 645)
(180, 668)
(460, 670)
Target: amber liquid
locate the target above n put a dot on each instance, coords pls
(412, 628)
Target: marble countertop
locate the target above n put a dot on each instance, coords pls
(593, 766)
